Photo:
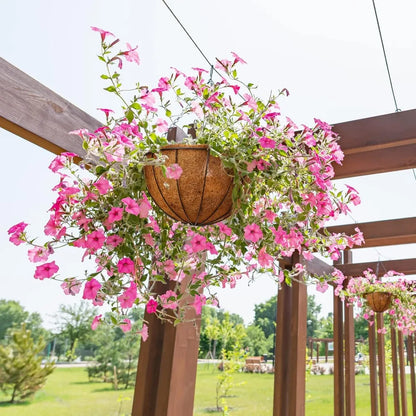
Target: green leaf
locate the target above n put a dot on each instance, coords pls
(103, 76)
(99, 170)
(110, 89)
(129, 115)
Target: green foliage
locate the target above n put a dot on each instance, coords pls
(232, 363)
(21, 369)
(12, 315)
(74, 324)
(265, 316)
(256, 342)
(219, 330)
(312, 316)
(116, 354)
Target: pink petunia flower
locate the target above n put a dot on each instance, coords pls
(95, 322)
(132, 206)
(125, 265)
(132, 55)
(144, 332)
(174, 171)
(91, 288)
(125, 326)
(253, 233)
(128, 297)
(103, 185)
(151, 306)
(199, 301)
(37, 254)
(18, 228)
(45, 271)
(95, 240)
(144, 207)
(102, 32)
(267, 143)
(264, 259)
(71, 286)
(114, 240)
(115, 214)
(169, 300)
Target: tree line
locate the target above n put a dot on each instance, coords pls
(113, 354)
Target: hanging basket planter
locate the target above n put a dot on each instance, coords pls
(378, 301)
(203, 193)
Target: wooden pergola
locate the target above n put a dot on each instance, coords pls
(168, 359)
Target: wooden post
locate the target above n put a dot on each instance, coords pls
(166, 371)
(403, 389)
(339, 397)
(289, 381)
(395, 366)
(411, 358)
(326, 351)
(373, 367)
(349, 360)
(381, 365)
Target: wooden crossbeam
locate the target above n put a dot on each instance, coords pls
(382, 233)
(37, 114)
(377, 144)
(405, 266)
(317, 266)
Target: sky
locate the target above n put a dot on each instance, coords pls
(326, 53)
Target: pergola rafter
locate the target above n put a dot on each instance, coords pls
(372, 145)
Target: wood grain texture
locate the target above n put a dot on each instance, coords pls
(381, 360)
(289, 378)
(382, 233)
(395, 368)
(406, 266)
(37, 114)
(411, 357)
(377, 144)
(372, 350)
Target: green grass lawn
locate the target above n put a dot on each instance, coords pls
(68, 393)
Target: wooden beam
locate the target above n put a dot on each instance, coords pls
(406, 266)
(37, 114)
(317, 266)
(377, 144)
(382, 233)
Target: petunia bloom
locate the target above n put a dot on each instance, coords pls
(91, 288)
(45, 271)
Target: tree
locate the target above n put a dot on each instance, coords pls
(117, 353)
(256, 341)
(219, 330)
(265, 316)
(312, 316)
(74, 323)
(21, 369)
(12, 315)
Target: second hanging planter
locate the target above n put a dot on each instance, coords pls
(378, 301)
